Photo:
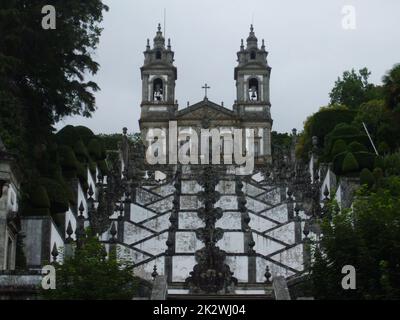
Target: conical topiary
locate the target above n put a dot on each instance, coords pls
(40, 201)
(350, 163)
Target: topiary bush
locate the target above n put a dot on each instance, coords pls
(85, 134)
(40, 202)
(350, 164)
(367, 178)
(67, 136)
(357, 147)
(81, 152)
(94, 149)
(57, 195)
(68, 161)
(339, 147)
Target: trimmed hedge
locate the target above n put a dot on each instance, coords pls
(350, 163)
(57, 195)
(364, 160)
(40, 203)
(81, 152)
(339, 147)
(357, 147)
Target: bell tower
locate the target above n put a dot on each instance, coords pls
(252, 76)
(158, 81)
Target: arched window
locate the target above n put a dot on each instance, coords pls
(253, 55)
(158, 90)
(158, 55)
(253, 90)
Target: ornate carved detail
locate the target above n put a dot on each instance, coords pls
(210, 274)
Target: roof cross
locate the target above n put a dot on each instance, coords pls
(206, 87)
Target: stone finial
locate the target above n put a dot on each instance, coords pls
(267, 275)
(100, 178)
(81, 208)
(155, 273)
(54, 252)
(294, 131)
(125, 131)
(90, 192)
(113, 232)
(69, 232)
(169, 44)
(297, 211)
(326, 193)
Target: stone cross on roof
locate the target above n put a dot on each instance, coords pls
(205, 87)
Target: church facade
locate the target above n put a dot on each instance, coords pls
(200, 218)
(251, 110)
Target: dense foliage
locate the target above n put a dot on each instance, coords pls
(355, 102)
(42, 79)
(92, 275)
(368, 238)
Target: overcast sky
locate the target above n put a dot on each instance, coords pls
(308, 50)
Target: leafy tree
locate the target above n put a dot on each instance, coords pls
(43, 76)
(367, 237)
(391, 86)
(353, 89)
(90, 275)
(321, 124)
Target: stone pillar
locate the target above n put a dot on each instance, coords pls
(3, 228)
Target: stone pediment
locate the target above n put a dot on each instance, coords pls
(206, 109)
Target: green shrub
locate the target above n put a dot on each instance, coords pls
(383, 148)
(83, 176)
(81, 152)
(378, 174)
(365, 159)
(57, 195)
(67, 136)
(68, 159)
(392, 164)
(350, 163)
(339, 147)
(40, 202)
(94, 149)
(85, 134)
(103, 167)
(357, 147)
(367, 178)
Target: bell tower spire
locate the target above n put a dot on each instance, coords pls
(252, 76)
(158, 80)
